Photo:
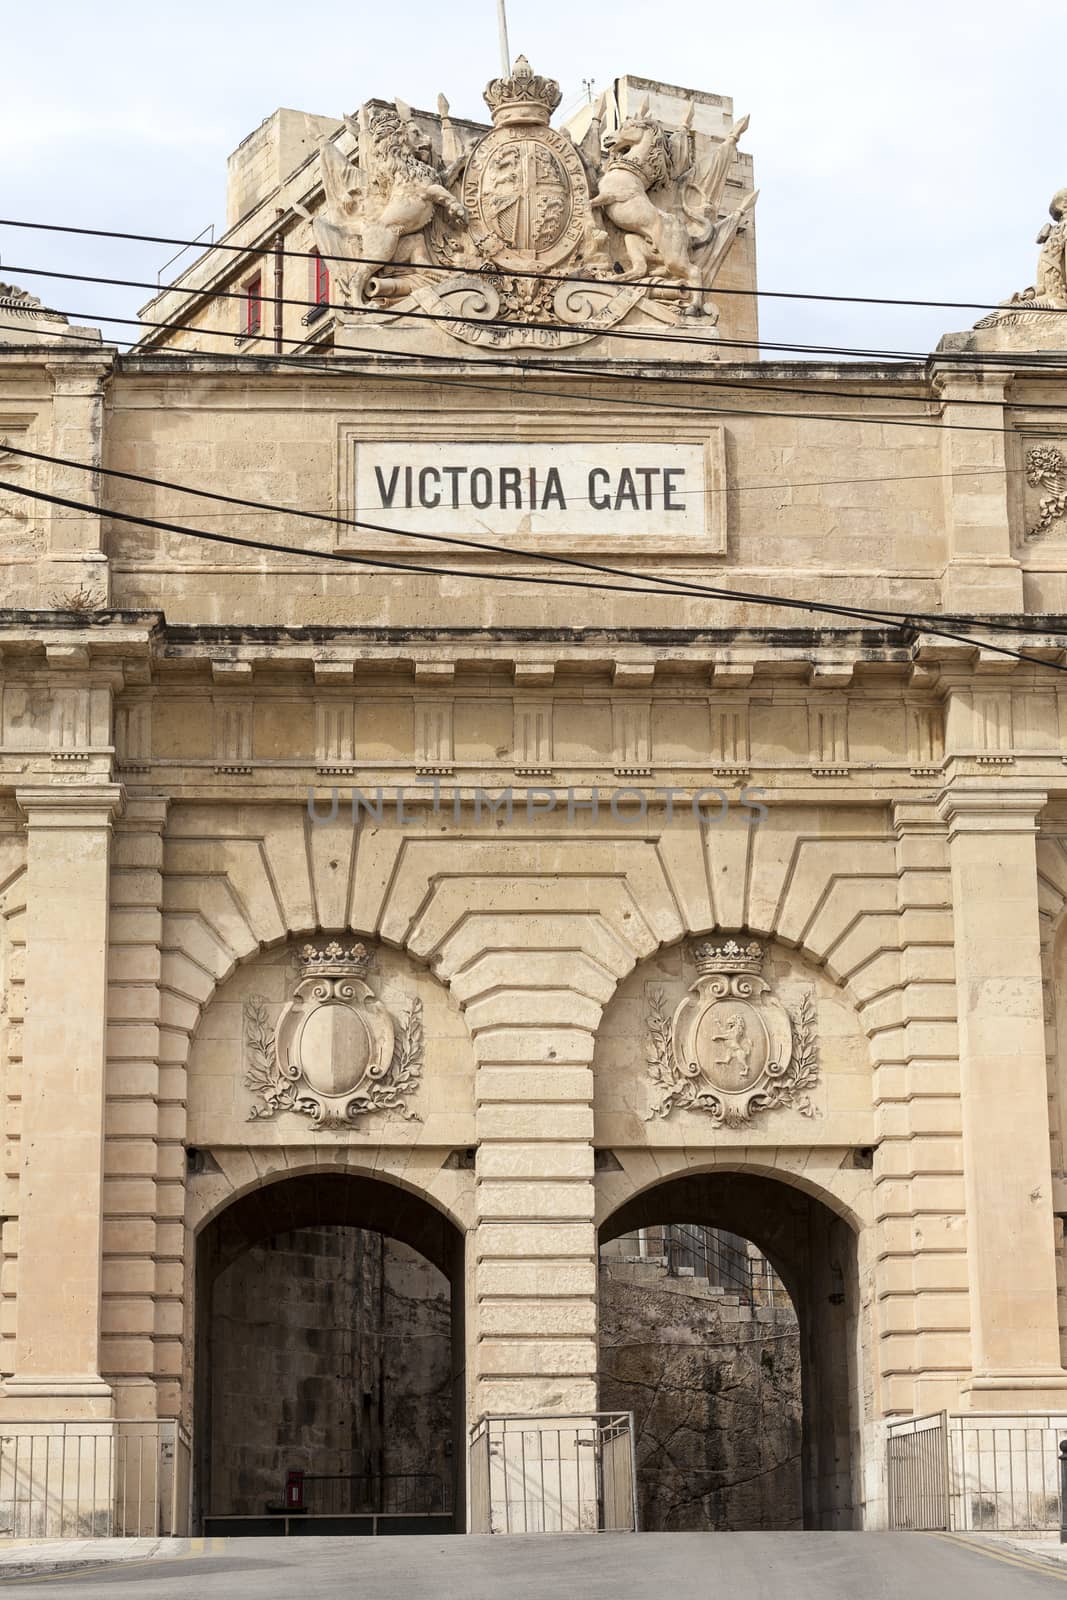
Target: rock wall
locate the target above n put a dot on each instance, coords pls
(714, 1386)
(329, 1350)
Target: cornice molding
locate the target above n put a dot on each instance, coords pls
(997, 810)
(73, 806)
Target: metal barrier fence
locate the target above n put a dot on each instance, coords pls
(918, 1473)
(553, 1474)
(65, 1480)
(982, 1472)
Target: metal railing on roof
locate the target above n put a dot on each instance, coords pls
(200, 239)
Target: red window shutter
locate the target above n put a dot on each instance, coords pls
(322, 281)
(254, 305)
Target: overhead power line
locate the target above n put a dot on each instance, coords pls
(1032, 360)
(551, 277)
(733, 488)
(919, 621)
(470, 542)
(303, 363)
(332, 363)
(584, 368)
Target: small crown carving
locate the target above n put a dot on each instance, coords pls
(523, 96)
(334, 960)
(727, 957)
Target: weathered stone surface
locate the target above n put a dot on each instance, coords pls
(329, 1351)
(716, 1400)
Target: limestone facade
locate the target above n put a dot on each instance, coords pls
(822, 1009)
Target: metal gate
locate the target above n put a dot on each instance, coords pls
(554, 1474)
(993, 1472)
(918, 1473)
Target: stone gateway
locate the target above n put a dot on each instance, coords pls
(687, 1044)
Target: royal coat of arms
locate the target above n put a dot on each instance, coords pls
(526, 196)
(519, 236)
(335, 1052)
(731, 1048)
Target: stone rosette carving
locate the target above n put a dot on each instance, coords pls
(1046, 468)
(731, 1049)
(521, 225)
(335, 1052)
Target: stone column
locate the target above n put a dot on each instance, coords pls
(77, 560)
(920, 1202)
(144, 1162)
(535, 1254)
(981, 573)
(1004, 1093)
(61, 1174)
(535, 1245)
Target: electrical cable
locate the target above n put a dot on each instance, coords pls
(734, 488)
(337, 359)
(900, 620)
(684, 585)
(1034, 361)
(678, 584)
(302, 363)
(588, 368)
(512, 272)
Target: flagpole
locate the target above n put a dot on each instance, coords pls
(505, 53)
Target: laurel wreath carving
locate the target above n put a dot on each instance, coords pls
(1046, 468)
(276, 1093)
(787, 1088)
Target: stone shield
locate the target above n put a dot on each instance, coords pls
(527, 197)
(331, 1038)
(733, 1043)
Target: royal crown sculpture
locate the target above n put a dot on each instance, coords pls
(730, 1048)
(335, 1052)
(519, 237)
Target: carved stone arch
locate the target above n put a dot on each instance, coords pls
(241, 892)
(224, 1179)
(241, 881)
(833, 1180)
(232, 1174)
(812, 1231)
(794, 1175)
(246, 879)
(242, 1201)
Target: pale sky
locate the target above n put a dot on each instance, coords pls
(906, 150)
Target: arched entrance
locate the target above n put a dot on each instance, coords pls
(329, 1341)
(813, 1251)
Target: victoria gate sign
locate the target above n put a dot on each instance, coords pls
(570, 494)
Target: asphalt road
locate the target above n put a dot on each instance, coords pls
(741, 1566)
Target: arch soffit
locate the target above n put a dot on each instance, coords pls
(208, 1204)
(844, 1190)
